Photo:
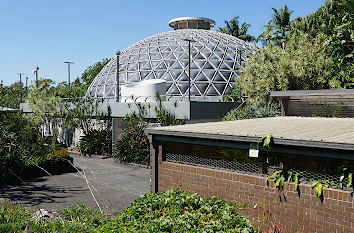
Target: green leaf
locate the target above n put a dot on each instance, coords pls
(290, 175)
(296, 181)
(318, 189)
(315, 183)
(267, 140)
(350, 180)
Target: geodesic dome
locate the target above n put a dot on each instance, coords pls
(215, 62)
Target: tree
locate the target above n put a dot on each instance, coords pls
(10, 95)
(49, 110)
(232, 28)
(90, 73)
(79, 86)
(335, 20)
(302, 65)
(278, 26)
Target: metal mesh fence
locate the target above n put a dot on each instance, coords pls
(309, 168)
(215, 163)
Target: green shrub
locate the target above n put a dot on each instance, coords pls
(133, 146)
(256, 110)
(169, 211)
(62, 154)
(20, 144)
(178, 211)
(96, 142)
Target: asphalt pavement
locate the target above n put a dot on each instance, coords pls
(98, 183)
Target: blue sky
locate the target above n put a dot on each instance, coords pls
(47, 33)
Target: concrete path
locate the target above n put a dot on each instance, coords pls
(113, 185)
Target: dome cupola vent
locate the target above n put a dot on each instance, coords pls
(192, 23)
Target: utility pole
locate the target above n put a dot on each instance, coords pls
(26, 86)
(69, 62)
(20, 86)
(36, 72)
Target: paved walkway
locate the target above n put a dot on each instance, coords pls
(114, 186)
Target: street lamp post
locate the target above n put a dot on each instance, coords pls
(20, 86)
(117, 75)
(189, 67)
(239, 51)
(69, 62)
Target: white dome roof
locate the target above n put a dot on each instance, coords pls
(215, 59)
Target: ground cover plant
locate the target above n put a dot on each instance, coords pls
(77, 218)
(169, 211)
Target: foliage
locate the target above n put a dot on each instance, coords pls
(62, 154)
(256, 110)
(20, 144)
(163, 116)
(90, 73)
(133, 146)
(75, 90)
(169, 211)
(78, 113)
(335, 20)
(266, 141)
(10, 95)
(177, 211)
(279, 177)
(303, 64)
(96, 142)
(77, 218)
(232, 28)
(278, 27)
(49, 110)
(328, 110)
(86, 216)
(44, 105)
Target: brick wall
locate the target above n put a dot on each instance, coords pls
(264, 205)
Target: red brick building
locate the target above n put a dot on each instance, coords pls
(224, 159)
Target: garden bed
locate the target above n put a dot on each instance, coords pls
(170, 211)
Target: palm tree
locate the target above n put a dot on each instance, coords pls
(232, 28)
(278, 26)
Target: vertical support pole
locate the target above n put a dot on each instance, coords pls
(117, 75)
(37, 68)
(26, 86)
(154, 164)
(20, 88)
(69, 79)
(284, 106)
(189, 71)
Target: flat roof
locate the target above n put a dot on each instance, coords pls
(326, 92)
(333, 133)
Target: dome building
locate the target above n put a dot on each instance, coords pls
(215, 62)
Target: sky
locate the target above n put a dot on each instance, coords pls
(48, 33)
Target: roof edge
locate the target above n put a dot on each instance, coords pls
(254, 139)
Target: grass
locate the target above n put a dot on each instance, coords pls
(169, 211)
